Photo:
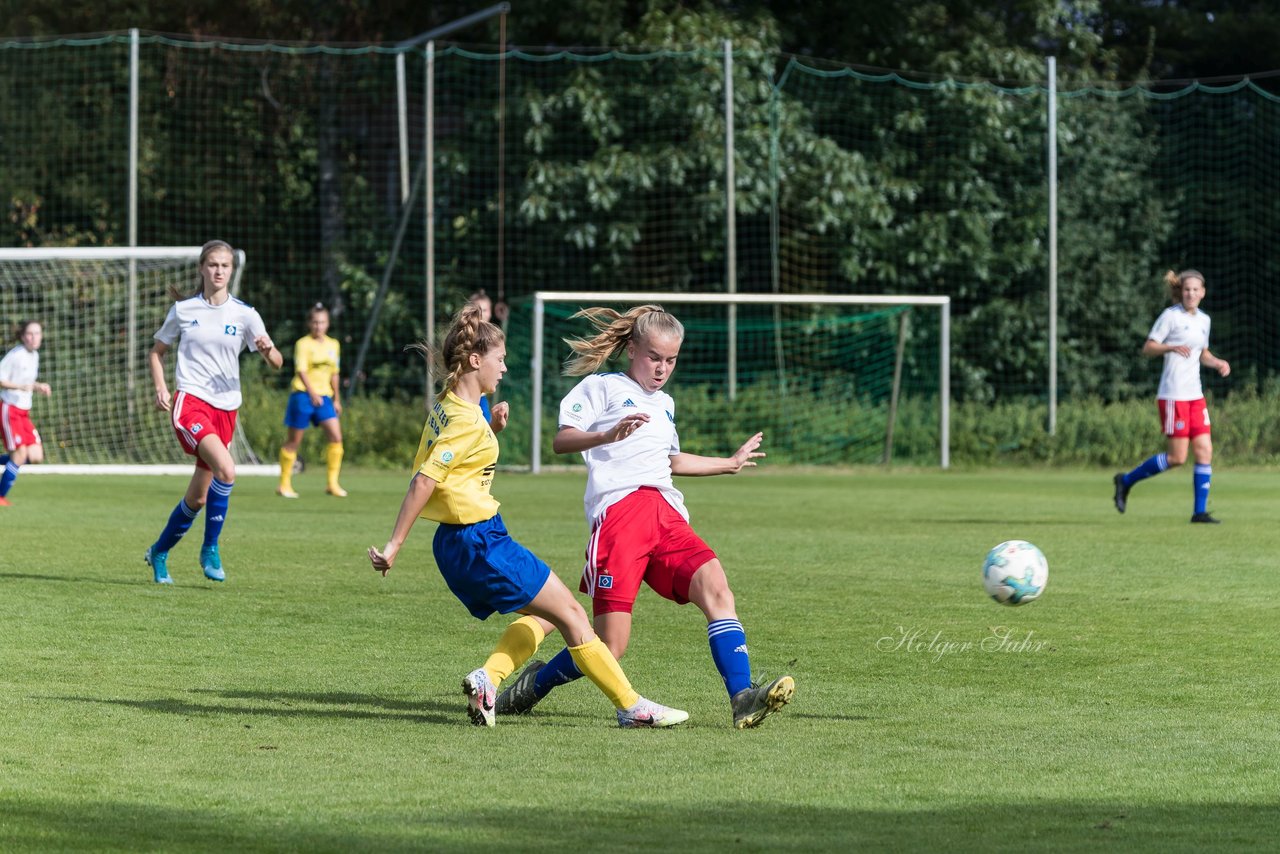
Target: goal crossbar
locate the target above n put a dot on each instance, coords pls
(942, 303)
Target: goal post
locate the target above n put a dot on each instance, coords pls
(99, 307)
(805, 369)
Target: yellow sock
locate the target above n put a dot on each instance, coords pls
(516, 646)
(598, 664)
(333, 457)
(287, 459)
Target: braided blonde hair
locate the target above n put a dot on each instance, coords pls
(468, 334)
(613, 332)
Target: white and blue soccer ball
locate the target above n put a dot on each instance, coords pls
(1015, 573)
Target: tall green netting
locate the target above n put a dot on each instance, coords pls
(64, 111)
(817, 380)
(607, 171)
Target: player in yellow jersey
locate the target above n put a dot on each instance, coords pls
(315, 400)
(484, 567)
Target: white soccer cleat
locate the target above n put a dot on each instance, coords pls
(646, 713)
(482, 695)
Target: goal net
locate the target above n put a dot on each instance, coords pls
(99, 309)
(829, 379)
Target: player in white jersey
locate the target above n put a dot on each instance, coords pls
(624, 426)
(1181, 336)
(18, 371)
(210, 328)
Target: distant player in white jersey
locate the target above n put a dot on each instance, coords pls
(624, 426)
(1181, 336)
(210, 328)
(18, 371)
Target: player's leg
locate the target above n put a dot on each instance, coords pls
(1173, 425)
(616, 560)
(1202, 450)
(751, 703)
(519, 641)
(297, 416)
(333, 453)
(157, 554)
(288, 457)
(21, 438)
(556, 604)
(213, 451)
(15, 460)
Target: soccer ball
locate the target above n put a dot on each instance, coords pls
(1015, 573)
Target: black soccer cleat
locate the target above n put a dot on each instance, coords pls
(1206, 519)
(1122, 492)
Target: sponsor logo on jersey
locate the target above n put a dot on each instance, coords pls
(628, 402)
(605, 582)
(577, 407)
(231, 329)
(194, 323)
(446, 456)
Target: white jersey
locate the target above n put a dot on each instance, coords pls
(20, 366)
(210, 338)
(618, 469)
(1175, 326)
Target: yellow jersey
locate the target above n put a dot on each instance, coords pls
(319, 361)
(460, 453)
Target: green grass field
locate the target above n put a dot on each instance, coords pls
(310, 705)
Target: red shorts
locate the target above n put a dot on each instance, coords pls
(1183, 418)
(193, 419)
(642, 538)
(16, 426)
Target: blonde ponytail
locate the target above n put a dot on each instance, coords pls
(613, 331)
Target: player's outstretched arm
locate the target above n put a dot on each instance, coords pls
(692, 465)
(571, 440)
(420, 489)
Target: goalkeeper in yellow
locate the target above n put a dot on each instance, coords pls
(484, 567)
(315, 400)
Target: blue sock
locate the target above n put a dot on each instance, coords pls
(215, 510)
(729, 651)
(558, 671)
(179, 523)
(1200, 477)
(1153, 466)
(9, 476)
(4, 459)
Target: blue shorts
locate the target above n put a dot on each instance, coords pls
(302, 414)
(486, 569)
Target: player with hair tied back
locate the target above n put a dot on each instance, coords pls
(624, 426)
(1181, 336)
(484, 567)
(18, 371)
(315, 400)
(210, 328)
(497, 414)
